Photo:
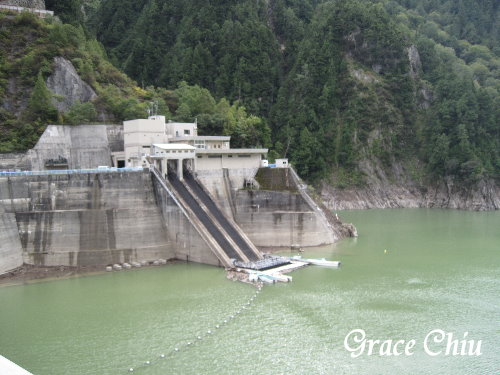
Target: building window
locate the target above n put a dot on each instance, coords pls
(215, 156)
(187, 132)
(243, 156)
(199, 156)
(199, 144)
(230, 156)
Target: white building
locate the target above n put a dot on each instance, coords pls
(149, 140)
(281, 163)
(173, 156)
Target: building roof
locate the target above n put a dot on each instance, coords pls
(174, 146)
(201, 138)
(232, 151)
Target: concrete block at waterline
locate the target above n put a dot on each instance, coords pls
(10, 246)
(276, 219)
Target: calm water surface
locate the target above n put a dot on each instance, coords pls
(441, 271)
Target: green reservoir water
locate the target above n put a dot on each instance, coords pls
(441, 271)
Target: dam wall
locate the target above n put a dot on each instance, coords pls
(279, 219)
(273, 213)
(85, 219)
(186, 241)
(10, 247)
(114, 216)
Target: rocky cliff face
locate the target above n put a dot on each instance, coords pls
(36, 4)
(403, 191)
(68, 86)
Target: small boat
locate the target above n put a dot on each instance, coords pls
(317, 262)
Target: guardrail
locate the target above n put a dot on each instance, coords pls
(40, 12)
(69, 171)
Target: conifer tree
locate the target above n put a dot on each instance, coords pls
(40, 107)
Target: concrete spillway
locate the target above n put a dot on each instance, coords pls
(203, 217)
(226, 240)
(236, 234)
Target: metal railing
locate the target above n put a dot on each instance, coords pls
(69, 171)
(40, 12)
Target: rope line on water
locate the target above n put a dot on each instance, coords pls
(186, 344)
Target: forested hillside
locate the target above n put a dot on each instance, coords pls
(333, 78)
(29, 46)
(333, 85)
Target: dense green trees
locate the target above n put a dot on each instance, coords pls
(321, 105)
(69, 11)
(40, 107)
(190, 103)
(222, 46)
(327, 83)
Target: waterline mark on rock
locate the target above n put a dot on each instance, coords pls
(436, 343)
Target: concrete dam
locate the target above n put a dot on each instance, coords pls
(107, 216)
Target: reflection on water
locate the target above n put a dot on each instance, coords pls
(440, 271)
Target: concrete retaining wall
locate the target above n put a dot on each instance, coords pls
(14, 162)
(83, 146)
(269, 218)
(86, 219)
(279, 219)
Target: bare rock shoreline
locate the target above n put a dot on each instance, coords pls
(483, 196)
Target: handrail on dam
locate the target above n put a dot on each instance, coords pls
(68, 171)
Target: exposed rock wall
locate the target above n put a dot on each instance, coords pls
(85, 219)
(68, 86)
(401, 191)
